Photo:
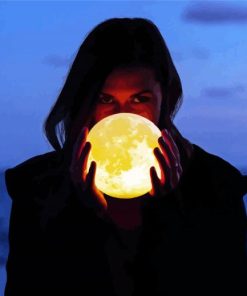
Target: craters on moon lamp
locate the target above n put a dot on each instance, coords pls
(122, 147)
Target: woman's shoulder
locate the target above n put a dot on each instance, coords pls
(213, 161)
(221, 172)
(21, 178)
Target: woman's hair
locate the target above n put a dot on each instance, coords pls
(116, 42)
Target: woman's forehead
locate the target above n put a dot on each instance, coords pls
(134, 78)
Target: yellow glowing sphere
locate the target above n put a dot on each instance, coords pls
(122, 146)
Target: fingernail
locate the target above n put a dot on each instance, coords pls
(161, 139)
(88, 144)
(156, 150)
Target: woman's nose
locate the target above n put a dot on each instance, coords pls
(124, 108)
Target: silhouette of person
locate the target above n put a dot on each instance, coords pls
(66, 237)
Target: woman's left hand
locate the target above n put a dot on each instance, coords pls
(168, 158)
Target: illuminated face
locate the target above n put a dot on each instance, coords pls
(133, 90)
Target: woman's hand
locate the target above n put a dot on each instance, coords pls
(84, 183)
(168, 158)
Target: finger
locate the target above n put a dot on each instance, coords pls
(87, 188)
(179, 138)
(180, 169)
(99, 200)
(82, 162)
(81, 141)
(176, 176)
(174, 133)
(78, 171)
(166, 138)
(175, 164)
(175, 179)
(165, 169)
(91, 175)
(165, 148)
(79, 144)
(173, 146)
(155, 181)
(174, 161)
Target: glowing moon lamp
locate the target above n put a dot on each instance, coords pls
(122, 147)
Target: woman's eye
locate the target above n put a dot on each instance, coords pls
(105, 100)
(140, 99)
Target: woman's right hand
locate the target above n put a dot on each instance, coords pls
(87, 192)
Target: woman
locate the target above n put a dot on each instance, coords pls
(187, 235)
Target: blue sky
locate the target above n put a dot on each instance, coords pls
(207, 40)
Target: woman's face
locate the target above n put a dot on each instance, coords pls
(133, 90)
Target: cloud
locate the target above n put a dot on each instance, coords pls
(198, 53)
(223, 92)
(56, 61)
(215, 12)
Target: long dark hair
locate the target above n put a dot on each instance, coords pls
(112, 43)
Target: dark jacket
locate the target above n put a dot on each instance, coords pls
(193, 240)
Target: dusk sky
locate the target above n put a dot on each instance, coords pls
(207, 40)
